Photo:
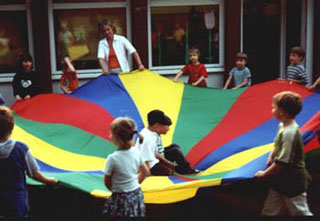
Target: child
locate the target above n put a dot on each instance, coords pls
(24, 82)
(197, 71)
(159, 159)
(69, 79)
(241, 74)
(286, 167)
(15, 160)
(124, 171)
(295, 71)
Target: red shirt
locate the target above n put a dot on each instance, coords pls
(69, 79)
(113, 60)
(195, 72)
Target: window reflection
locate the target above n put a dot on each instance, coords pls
(176, 29)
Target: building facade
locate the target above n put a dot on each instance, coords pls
(162, 31)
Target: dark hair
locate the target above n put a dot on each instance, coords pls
(123, 129)
(241, 55)
(299, 51)
(107, 23)
(289, 102)
(6, 122)
(24, 57)
(195, 50)
(157, 116)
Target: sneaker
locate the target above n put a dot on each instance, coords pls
(192, 171)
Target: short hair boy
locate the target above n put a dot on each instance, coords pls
(296, 71)
(159, 159)
(15, 161)
(285, 166)
(240, 73)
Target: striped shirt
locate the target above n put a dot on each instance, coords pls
(297, 73)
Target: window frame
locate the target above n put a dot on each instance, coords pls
(7, 77)
(172, 69)
(85, 73)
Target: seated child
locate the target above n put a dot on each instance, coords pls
(15, 160)
(286, 173)
(159, 159)
(240, 73)
(197, 72)
(69, 78)
(296, 71)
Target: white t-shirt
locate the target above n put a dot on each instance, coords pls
(124, 165)
(152, 143)
(121, 46)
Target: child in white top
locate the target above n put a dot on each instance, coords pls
(124, 172)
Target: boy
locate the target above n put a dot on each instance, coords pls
(241, 74)
(295, 71)
(15, 160)
(159, 159)
(286, 167)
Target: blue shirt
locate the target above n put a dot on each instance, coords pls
(240, 74)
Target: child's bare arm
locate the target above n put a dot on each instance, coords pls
(198, 81)
(244, 83)
(143, 173)
(69, 63)
(165, 161)
(273, 169)
(107, 181)
(179, 74)
(43, 179)
(227, 82)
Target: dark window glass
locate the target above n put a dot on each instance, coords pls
(13, 39)
(176, 29)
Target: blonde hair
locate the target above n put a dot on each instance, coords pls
(123, 130)
(6, 122)
(289, 102)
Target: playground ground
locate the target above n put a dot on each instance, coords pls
(238, 201)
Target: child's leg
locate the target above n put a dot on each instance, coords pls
(298, 205)
(274, 205)
(174, 154)
(161, 169)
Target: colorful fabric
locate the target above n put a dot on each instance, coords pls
(227, 134)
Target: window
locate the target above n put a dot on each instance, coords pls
(15, 36)
(76, 32)
(177, 26)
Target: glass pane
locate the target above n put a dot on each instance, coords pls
(176, 29)
(12, 2)
(13, 39)
(85, 1)
(77, 33)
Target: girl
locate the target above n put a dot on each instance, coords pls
(124, 170)
(24, 82)
(197, 71)
(69, 78)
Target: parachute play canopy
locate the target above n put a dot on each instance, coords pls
(227, 134)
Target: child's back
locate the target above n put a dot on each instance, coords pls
(15, 161)
(13, 188)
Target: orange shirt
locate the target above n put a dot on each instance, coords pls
(113, 61)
